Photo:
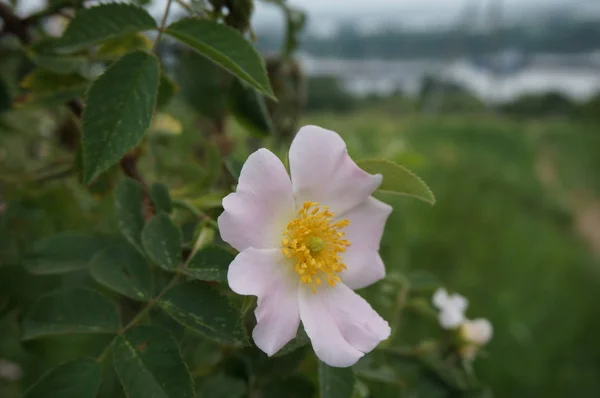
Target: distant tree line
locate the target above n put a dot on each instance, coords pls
(553, 36)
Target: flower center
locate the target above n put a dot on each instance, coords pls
(314, 242)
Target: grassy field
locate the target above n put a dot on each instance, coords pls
(506, 232)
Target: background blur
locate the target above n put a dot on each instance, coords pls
(494, 103)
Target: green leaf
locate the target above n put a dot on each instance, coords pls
(226, 47)
(119, 109)
(118, 46)
(124, 270)
(211, 160)
(105, 21)
(64, 252)
(398, 179)
(167, 89)
(210, 264)
(296, 386)
(79, 378)
(149, 364)
(234, 166)
(250, 109)
(71, 311)
(42, 53)
(159, 193)
(162, 242)
(129, 206)
(273, 368)
(50, 88)
(301, 340)
(222, 386)
(335, 382)
(203, 84)
(203, 309)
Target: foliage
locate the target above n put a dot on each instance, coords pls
(119, 153)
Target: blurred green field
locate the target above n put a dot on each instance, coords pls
(505, 232)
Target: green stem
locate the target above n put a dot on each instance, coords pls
(187, 7)
(140, 315)
(163, 23)
(106, 350)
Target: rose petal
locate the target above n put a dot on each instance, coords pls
(256, 214)
(364, 265)
(267, 275)
(341, 325)
(323, 172)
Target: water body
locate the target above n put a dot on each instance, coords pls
(502, 78)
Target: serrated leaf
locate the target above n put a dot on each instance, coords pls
(203, 309)
(250, 109)
(398, 179)
(79, 378)
(159, 193)
(64, 252)
(118, 112)
(124, 270)
(105, 21)
(129, 206)
(149, 364)
(335, 382)
(162, 242)
(210, 264)
(226, 47)
(70, 311)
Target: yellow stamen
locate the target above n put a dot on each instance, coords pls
(314, 243)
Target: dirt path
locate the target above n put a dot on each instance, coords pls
(584, 205)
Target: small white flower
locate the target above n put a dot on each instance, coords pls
(474, 334)
(305, 243)
(452, 308)
(478, 331)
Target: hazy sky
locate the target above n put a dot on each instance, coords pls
(323, 14)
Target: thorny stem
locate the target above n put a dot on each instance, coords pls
(163, 23)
